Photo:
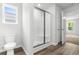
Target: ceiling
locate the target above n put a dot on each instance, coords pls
(61, 5)
(64, 5)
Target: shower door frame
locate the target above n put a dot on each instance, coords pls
(43, 25)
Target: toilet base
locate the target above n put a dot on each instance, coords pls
(10, 52)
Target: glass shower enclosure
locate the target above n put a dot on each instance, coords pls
(41, 27)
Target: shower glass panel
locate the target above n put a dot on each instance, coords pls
(47, 27)
(38, 28)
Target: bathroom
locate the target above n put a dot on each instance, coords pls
(25, 29)
(39, 29)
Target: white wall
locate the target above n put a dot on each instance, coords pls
(27, 28)
(73, 13)
(12, 28)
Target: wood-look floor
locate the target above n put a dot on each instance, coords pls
(71, 47)
(17, 51)
(66, 49)
(74, 40)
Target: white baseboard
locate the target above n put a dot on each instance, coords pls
(24, 50)
(41, 47)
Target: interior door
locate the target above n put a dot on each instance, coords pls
(38, 27)
(47, 27)
(58, 27)
(63, 26)
(63, 30)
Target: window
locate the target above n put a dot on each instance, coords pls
(10, 14)
(70, 24)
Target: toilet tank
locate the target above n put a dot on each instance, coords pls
(9, 38)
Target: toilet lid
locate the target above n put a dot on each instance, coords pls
(10, 45)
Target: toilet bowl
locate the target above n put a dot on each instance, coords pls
(10, 44)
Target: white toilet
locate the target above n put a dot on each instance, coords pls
(10, 44)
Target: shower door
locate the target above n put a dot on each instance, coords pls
(41, 27)
(38, 28)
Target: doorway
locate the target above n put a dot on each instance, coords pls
(71, 31)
